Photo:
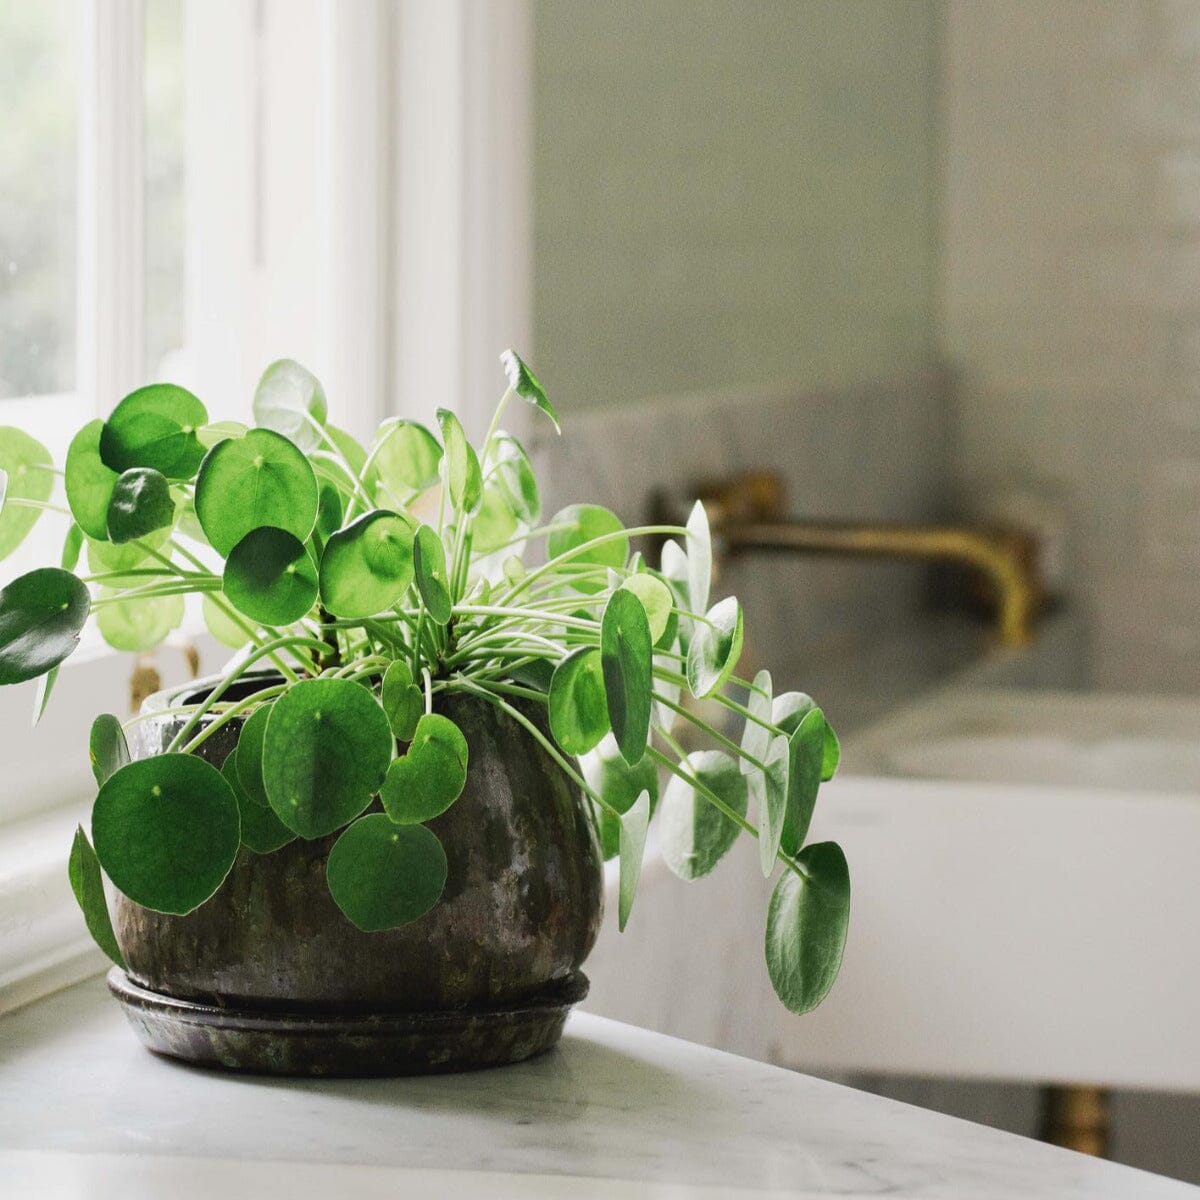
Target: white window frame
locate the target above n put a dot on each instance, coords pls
(423, 267)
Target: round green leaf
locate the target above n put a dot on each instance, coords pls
(431, 776)
(402, 700)
(89, 482)
(329, 513)
(461, 464)
(250, 755)
(140, 623)
(83, 869)
(578, 524)
(405, 459)
(218, 431)
(155, 427)
(24, 461)
(367, 566)
(325, 754)
(288, 400)
(656, 599)
(806, 927)
(789, 710)
(141, 504)
(104, 557)
(618, 785)
(577, 707)
(262, 831)
(107, 747)
(526, 384)
(627, 657)
(512, 474)
(221, 625)
(167, 831)
(495, 523)
(255, 480)
(72, 547)
(695, 835)
(715, 648)
(41, 614)
(429, 564)
(383, 875)
(270, 577)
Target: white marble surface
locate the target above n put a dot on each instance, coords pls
(84, 1111)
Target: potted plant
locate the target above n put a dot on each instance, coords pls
(374, 842)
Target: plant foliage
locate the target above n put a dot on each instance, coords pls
(374, 582)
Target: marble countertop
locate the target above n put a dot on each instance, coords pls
(615, 1111)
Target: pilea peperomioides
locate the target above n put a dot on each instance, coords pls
(371, 582)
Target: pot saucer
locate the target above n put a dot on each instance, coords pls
(279, 1042)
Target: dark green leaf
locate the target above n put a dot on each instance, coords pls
(367, 567)
(383, 875)
(525, 383)
(141, 503)
(429, 564)
(84, 871)
(270, 577)
(41, 615)
(326, 753)
(431, 776)
(634, 826)
(289, 399)
(618, 785)
(107, 748)
(627, 655)
(23, 463)
(154, 427)
(694, 833)
(461, 464)
(578, 712)
(402, 700)
(806, 927)
(250, 755)
(167, 831)
(578, 524)
(805, 747)
(789, 709)
(260, 479)
(715, 648)
(262, 831)
(89, 482)
(405, 459)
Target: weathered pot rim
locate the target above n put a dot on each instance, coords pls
(194, 690)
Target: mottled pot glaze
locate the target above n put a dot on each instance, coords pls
(520, 912)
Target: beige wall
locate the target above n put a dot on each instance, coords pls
(731, 193)
(1070, 304)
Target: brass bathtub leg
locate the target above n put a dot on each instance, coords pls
(1076, 1117)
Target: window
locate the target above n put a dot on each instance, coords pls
(192, 189)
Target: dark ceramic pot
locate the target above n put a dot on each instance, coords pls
(269, 975)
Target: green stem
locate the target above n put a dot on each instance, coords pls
(711, 731)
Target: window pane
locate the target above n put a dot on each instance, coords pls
(38, 123)
(164, 185)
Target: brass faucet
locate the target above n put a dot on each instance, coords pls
(747, 512)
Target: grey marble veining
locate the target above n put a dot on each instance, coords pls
(612, 1103)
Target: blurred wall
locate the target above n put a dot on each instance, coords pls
(1070, 278)
(732, 194)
